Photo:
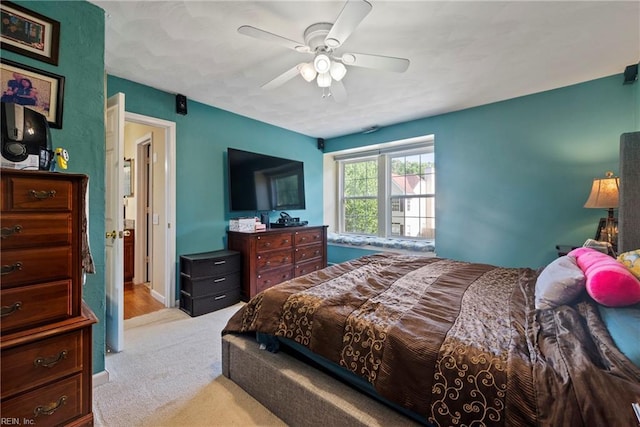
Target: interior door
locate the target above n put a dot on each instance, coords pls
(114, 222)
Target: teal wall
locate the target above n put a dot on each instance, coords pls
(513, 176)
(202, 138)
(81, 62)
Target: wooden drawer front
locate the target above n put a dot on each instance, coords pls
(27, 193)
(31, 305)
(52, 405)
(37, 363)
(209, 303)
(23, 266)
(267, 280)
(209, 285)
(308, 267)
(308, 237)
(33, 230)
(210, 264)
(272, 242)
(307, 253)
(274, 259)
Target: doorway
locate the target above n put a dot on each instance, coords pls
(159, 236)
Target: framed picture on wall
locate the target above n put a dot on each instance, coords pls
(36, 89)
(29, 33)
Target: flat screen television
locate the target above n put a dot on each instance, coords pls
(258, 182)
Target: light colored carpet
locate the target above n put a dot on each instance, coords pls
(170, 374)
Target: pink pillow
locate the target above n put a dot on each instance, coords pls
(609, 282)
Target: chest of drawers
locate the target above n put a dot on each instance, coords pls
(209, 281)
(273, 256)
(46, 329)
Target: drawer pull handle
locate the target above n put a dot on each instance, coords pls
(219, 297)
(52, 361)
(222, 279)
(220, 262)
(7, 310)
(8, 269)
(50, 408)
(10, 231)
(44, 194)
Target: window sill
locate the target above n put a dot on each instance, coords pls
(377, 243)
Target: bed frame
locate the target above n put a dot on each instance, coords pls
(303, 395)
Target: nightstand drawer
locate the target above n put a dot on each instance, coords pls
(37, 363)
(23, 266)
(27, 306)
(209, 264)
(209, 303)
(197, 287)
(52, 405)
(35, 193)
(33, 230)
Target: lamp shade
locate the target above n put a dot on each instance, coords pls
(604, 192)
(308, 72)
(337, 71)
(324, 80)
(322, 63)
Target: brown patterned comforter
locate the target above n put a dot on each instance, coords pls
(455, 342)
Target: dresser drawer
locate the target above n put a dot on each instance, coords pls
(268, 260)
(308, 267)
(209, 285)
(267, 280)
(33, 230)
(208, 264)
(52, 405)
(35, 304)
(275, 241)
(307, 253)
(308, 237)
(23, 266)
(29, 193)
(207, 304)
(37, 363)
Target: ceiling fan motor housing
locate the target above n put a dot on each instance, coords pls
(315, 35)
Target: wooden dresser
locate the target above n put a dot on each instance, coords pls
(45, 342)
(278, 254)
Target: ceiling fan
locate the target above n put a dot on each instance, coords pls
(322, 40)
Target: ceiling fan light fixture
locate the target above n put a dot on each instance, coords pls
(324, 80)
(308, 72)
(322, 63)
(337, 71)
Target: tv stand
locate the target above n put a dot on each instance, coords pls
(278, 254)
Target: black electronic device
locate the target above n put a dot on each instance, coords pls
(181, 104)
(287, 220)
(258, 182)
(25, 138)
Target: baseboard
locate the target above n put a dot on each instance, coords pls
(157, 296)
(100, 378)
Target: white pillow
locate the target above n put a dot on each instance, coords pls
(559, 283)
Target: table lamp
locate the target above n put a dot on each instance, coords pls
(604, 195)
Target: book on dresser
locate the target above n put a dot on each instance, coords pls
(278, 254)
(46, 329)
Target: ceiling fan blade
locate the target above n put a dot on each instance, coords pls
(338, 92)
(259, 34)
(283, 78)
(351, 15)
(379, 62)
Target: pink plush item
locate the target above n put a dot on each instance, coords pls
(609, 282)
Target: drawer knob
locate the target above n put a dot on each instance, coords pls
(50, 408)
(8, 269)
(42, 195)
(50, 362)
(10, 231)
(10, 309)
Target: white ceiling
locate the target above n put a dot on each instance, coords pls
(463, 54)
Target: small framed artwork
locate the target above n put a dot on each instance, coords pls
(29, 33)
(36, 89)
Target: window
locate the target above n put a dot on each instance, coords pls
(390, 193)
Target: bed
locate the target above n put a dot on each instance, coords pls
(391, 339)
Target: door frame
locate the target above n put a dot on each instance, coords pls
(170, 199)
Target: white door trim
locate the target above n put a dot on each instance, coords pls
(170, 199)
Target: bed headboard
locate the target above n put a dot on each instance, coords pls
(629, 209)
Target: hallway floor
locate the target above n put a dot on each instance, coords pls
(138, 301)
